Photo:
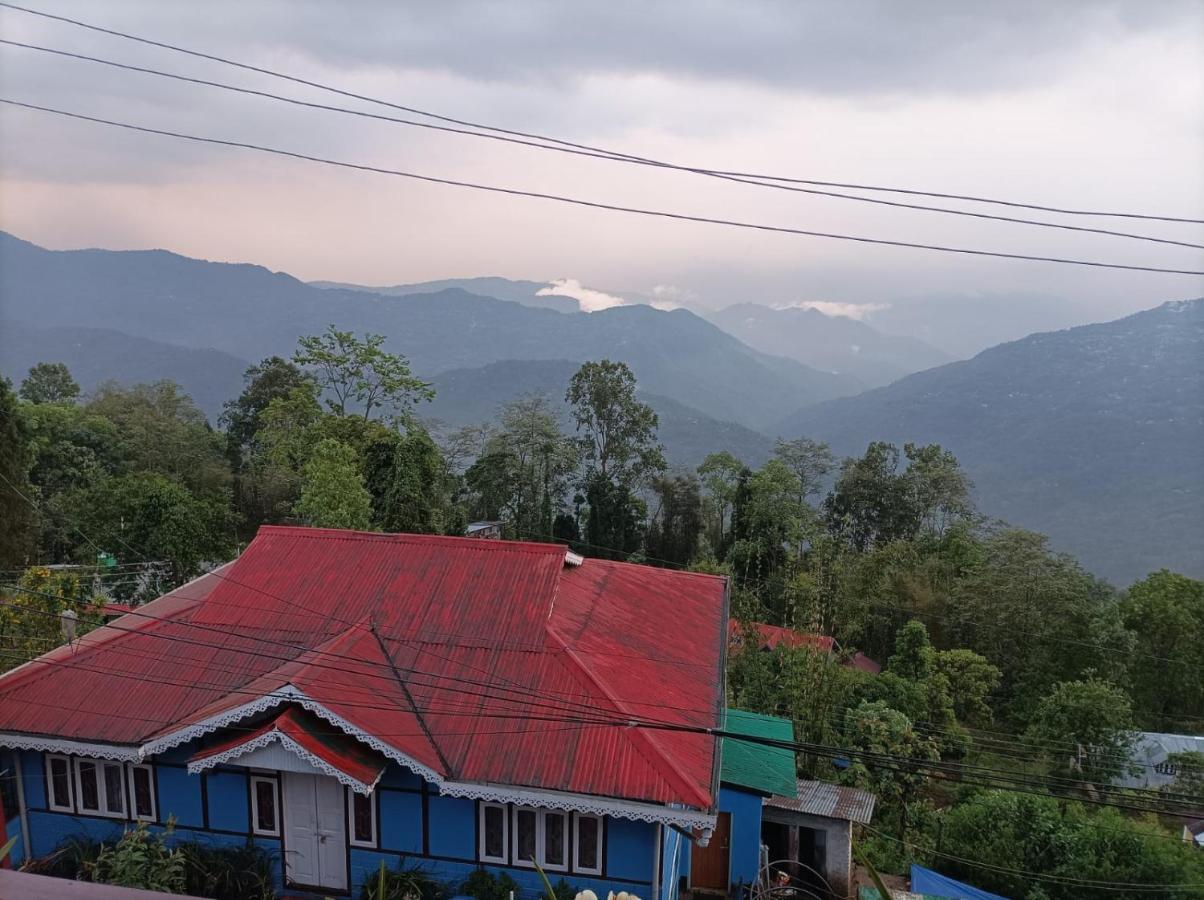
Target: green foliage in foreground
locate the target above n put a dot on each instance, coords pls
(996, 831)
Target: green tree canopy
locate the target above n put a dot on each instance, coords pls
(49, 382)
(1164, 613)
(1085, 729)
(270, 379)
(618, 432)
(359, 371)
(332, 489)
(17, 517)
(676, 522)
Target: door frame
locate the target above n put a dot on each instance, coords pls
(284, 876)
(690, 877)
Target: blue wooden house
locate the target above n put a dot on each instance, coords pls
(344, 699)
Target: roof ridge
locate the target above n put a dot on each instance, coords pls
(407, 537)
(636, 735)
(426, 731)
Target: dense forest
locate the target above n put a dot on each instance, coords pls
(1012, 682)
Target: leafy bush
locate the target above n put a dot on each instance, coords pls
(141, 859)
(73, 858)
(244, 872)
(481, 885)
(406, 883)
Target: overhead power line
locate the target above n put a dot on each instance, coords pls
(512, 140)
(589, 149)
(591, 204)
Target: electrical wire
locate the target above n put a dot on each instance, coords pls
(628, 160)
(593, 204)
(558, 142)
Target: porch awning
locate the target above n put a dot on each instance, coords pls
(312, 740)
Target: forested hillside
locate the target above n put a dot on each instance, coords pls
(1091, 435)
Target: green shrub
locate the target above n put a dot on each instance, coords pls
(409, 882)
(141, 859)
(245, 872)
(73, 858)
(481, 885)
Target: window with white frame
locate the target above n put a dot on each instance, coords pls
(540, 836)
(587, 844)
(493, 835)
(58, 784)
(100, 787)
(361, 818)
(265, 805)
(142, 793)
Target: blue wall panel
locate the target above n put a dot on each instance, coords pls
(453, 827)
(228, 801)
(179, 796)
(33, 777)
(400, 821)
(745, 809)
(630, 850)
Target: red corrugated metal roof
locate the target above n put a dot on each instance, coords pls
(312, 735)
(773, 636)
(476, 659)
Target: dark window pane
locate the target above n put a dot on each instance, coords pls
(114, 789)
(60, 783)
(587, 842)
(495, 832)
(89, 792)
(362, 815)
(143, 807)
(524, 841)
(555, 830)
(265, 806)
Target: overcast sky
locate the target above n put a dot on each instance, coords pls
(1083, 104)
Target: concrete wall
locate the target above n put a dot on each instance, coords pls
(838, 844)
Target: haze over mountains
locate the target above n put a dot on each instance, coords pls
(1091, 435)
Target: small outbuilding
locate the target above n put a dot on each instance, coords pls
(808, 833)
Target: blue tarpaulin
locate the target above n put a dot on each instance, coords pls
(926, 881)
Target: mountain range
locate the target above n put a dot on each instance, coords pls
(1091, 434)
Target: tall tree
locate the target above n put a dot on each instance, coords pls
(619, 450)
(676, 522)
(1086, 728)
(720, 473)
(360, 371)
(49, 383)
(332, 489)
(1165, 615)
(412, 487)
(809, 460)
(270, 379)
(618, 432)
(16, 515)
(522, 475)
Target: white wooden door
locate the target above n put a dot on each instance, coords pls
(315, 831)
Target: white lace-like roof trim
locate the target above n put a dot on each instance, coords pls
(599, 806)
(77, 748)
(195, 768)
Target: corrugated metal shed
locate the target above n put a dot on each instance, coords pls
(833, 801)
(761, 768)
(502, 649)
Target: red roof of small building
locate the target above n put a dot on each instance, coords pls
(774, 636)
(480, 661)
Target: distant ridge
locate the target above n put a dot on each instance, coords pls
(1093, 435)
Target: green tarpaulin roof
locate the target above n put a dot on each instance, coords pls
(758, 767)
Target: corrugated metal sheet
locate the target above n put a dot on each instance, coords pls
(770, 637)
(760, 767)
(501, 648)
(833, 801)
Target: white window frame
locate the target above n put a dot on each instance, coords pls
(577, 866)
(50, 804)
(102, 797)
(255, 829)
(504, 859)
(131, 768)
(371, 798)
(542, 843)
(525, 863)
